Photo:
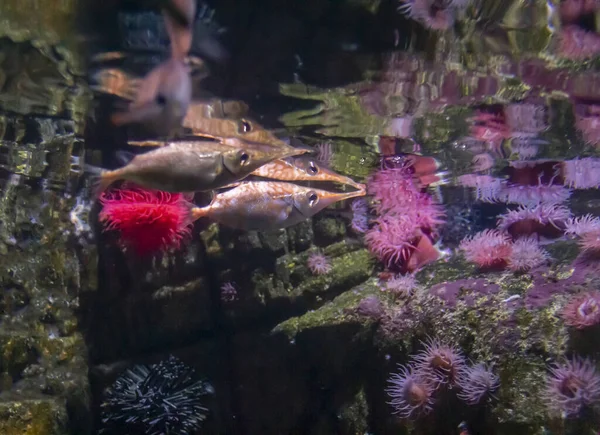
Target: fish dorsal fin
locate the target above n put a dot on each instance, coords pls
(124, 157)
(147, 143)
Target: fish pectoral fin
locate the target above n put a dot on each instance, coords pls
(101, 178)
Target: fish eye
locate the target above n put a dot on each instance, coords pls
(313, 198)
(161, 100)
(244, 158)
(313, 169)
(245, 126)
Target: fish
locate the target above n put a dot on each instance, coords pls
(303, 168)
(179, 30)
(116, 82)
(190, 166)
(215, 108)
(284, 148)
(241, 128)
(180, 12)
(296, 168)
(266, 205)
(162, 99)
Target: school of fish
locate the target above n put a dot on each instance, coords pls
(210, 146)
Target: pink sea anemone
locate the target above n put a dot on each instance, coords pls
(572, 10)
(576, 43)
(525, 148)
(477, 384)
(487, 188)
(318, 264)
(583, 310)
(582, 173)
(401, 237)
(534, 195)
(587, 122)
(411, 395)
(148, 220)
(483, 162)
(360, 216)
(392, 188)
(439, 364)
(370, 308)
(545, 220)
(487, 249)
(571, 387)
(433, 14)
(228, 292)
(392, 239)
(588, 229)
(401, 285)
(526, 254)
(525, 118)
(590, 242)
(581, 225)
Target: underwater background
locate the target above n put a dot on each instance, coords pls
(457, 292)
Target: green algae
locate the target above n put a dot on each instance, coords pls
(331, 313)
(329, 230)
(346, 271)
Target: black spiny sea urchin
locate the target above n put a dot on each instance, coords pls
(159, 399)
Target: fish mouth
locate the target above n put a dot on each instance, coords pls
(342, 179)
(335, 197)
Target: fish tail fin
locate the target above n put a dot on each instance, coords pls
(101, 178)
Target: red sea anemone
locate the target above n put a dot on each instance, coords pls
(583, 310)
(148, 220)
(392, 239)
(411, 395)
(401, 237)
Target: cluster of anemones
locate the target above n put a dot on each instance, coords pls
(492, 249)
(402, 236)
(492, 126)
(438, 366)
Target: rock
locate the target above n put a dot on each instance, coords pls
(328, 230)
(46, 416)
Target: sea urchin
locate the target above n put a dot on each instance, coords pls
(158, 399)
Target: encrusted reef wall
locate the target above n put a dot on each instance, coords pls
(177, 305)
(44, 387)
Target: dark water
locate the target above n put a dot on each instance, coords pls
(237, 332)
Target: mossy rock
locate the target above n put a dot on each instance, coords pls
(34, 417)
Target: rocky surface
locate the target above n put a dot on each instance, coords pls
(287, 351)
